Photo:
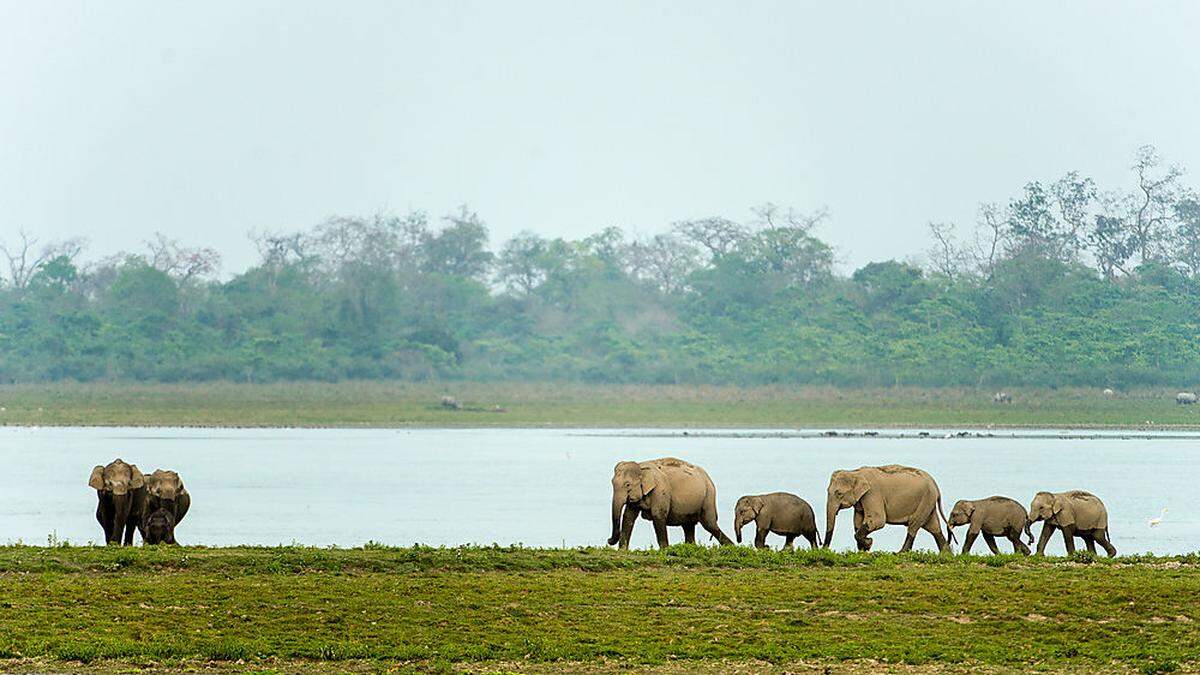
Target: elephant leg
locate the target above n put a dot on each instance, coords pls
(933, 525)
(972, 535)
(1068, 534)
(1044, 538)
(991, 542)
(130, 526)
(689, 533)
(1018, 545)
(760, 537)
(812, 540)
(860, 537)
(708, 520)
(628, 519)
(787, 544)
(660, 532)
(1090, 541)
(105, 523)
(1102, 537)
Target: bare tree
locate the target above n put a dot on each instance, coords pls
(25, 260)
(1152, 204)
(946, 255)
(990, 239)
(716, 235)
(666, 260)
(180, 262)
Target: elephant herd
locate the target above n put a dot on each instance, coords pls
(672, 492)
(128, 500)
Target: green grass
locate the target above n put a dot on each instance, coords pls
(592, 609)
(390, 404)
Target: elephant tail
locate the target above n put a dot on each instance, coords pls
(949, 531)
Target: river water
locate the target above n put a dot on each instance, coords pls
(551, 487)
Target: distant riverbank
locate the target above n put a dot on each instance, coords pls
(470, 404)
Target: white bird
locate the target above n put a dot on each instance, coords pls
(1154, 522)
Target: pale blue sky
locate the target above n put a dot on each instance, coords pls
(209, 120)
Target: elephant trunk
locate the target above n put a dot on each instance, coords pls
(121, 508)
(738, 524)
(618, 502)
(831, 511)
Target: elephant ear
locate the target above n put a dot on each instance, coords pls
(649, 480)
(96, 481)
(136, 479)
(1064, 513)
(859, 488)
(757, 505)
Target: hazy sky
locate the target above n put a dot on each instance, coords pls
(208, 120)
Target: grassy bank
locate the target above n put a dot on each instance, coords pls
(591, 609)
(384, 404)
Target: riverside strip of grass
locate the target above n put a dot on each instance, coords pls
(384, 404)
(591, 609)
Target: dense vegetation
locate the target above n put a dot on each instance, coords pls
(1065, 284)
(596, 610)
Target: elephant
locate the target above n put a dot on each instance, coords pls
(886, 495)
(121, 496)
(666, 491)
(778, 512)
(1185, 398)
(994, 517)
(164, 490)
(159, 527)
(1002, 397)
(1075, 512)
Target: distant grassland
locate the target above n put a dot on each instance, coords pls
(500, 609)
(393, 404)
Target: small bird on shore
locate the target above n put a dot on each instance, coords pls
(1155, 521)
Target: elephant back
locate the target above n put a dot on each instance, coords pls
(1090, 512)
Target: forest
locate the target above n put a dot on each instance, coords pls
(1068, 283)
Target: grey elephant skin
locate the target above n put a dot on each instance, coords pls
(779, 513)
(886, 495)
(992, 517)
(666, 491)
(1075, 513)
(121, 497)
(165, 491)
(159, 527)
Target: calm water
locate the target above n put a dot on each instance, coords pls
(549, 487)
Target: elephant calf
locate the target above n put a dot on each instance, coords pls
(159, 527)
(1077, 513)
(993, 517)
(778, 512)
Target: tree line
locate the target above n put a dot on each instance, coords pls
(1065, 284)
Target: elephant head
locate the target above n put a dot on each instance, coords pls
(1056, 509)
(746, 510)
(160, 527)
(961, 513)
(631, 482)
(845, 490)
(164, 486)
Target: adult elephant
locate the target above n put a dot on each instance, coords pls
(164, 490)
(121, 496)
(1077, 513)
(886, 495)
(666, 491)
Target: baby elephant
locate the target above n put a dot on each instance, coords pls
(1077, 513)
(159, 528)
(778, 512)
(994, 517)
